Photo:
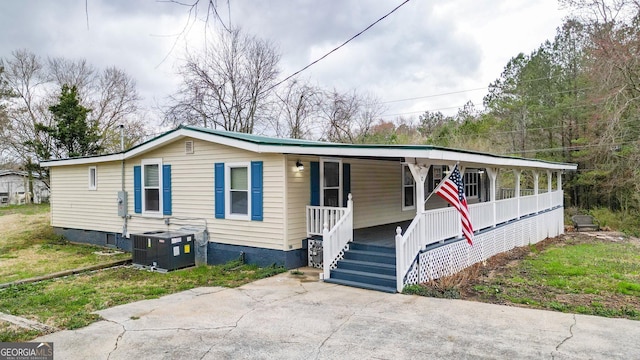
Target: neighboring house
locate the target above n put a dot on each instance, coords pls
(265, 199)
(14, 188)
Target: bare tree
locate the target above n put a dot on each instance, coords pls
(111, 95)
(227, 85)
(349, 116)
(298, 106)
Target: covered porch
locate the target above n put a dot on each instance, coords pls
(497, 202)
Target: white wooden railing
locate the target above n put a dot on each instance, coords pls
(336, 238)
(481, 215)
(528, 205)
(544, 201)
(557, 198)
(440, 224)
(506, 210)
(317, 216)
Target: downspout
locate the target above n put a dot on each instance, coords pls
(122, 187)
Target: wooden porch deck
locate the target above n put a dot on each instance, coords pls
(381, 235)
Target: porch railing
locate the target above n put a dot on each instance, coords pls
(544, 201)
(336, 238)
(481, 215)
(528, 205)
(440, 224)
(317, 216)
(506, 210)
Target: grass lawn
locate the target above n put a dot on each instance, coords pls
(29, 248)
(574, 273)
(69, 303)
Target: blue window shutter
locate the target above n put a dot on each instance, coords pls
(256, 190)
(346, 183)
(219, 190)
(166, 189)
(315, 183)
(137, 189)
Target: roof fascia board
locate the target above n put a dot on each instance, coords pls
(81, 161)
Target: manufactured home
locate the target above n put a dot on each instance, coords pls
(361, 212)
(16, 188)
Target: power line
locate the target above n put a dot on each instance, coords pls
(467, 90)
(460, 106)
(337, 48)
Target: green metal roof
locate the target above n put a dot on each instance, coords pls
(293, 143)
(266, 140)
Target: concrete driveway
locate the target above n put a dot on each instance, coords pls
(298, 317)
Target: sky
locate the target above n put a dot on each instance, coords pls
(424, 51)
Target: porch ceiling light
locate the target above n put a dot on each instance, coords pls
(299, 165)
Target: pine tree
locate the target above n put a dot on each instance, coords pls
(72, 134)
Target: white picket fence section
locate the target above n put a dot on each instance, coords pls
(336, 239)
(441, 224)
(440, 261)
(317, 216)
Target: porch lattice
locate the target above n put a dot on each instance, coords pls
(447, 259)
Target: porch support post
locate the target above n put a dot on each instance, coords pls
(559, 180)
(549, 189)
(517, 172)
(493, 177)
(536, 177)
(419, 173)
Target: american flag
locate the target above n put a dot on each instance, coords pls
(452, 190)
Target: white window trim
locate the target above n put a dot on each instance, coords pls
(93, 183)
(156, 161)
(340, 185)
(227, 191)
(469, 185)
(402, 186)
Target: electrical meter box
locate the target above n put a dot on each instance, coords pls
(164, 250)
(122, 203)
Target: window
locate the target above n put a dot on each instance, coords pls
(93, 178)
(331, 183)
(408, 189)
(151, 186)
(471, 180)
(238, 180)
(436, 177)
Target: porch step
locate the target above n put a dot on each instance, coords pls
(374, 248)
(367, 266)
(364, 277)
(371, 256)
(361, 285)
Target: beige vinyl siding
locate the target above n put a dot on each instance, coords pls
(376, 187)
(298, 197)
(73, 205)
(192, 188)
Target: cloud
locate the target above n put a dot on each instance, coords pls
(424, 48)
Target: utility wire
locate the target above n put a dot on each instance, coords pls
(465, 90)
(460, 106)
(337, 48)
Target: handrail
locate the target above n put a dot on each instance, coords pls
(318, 215)
(335, 239)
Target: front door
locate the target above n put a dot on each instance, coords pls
(331, 182)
